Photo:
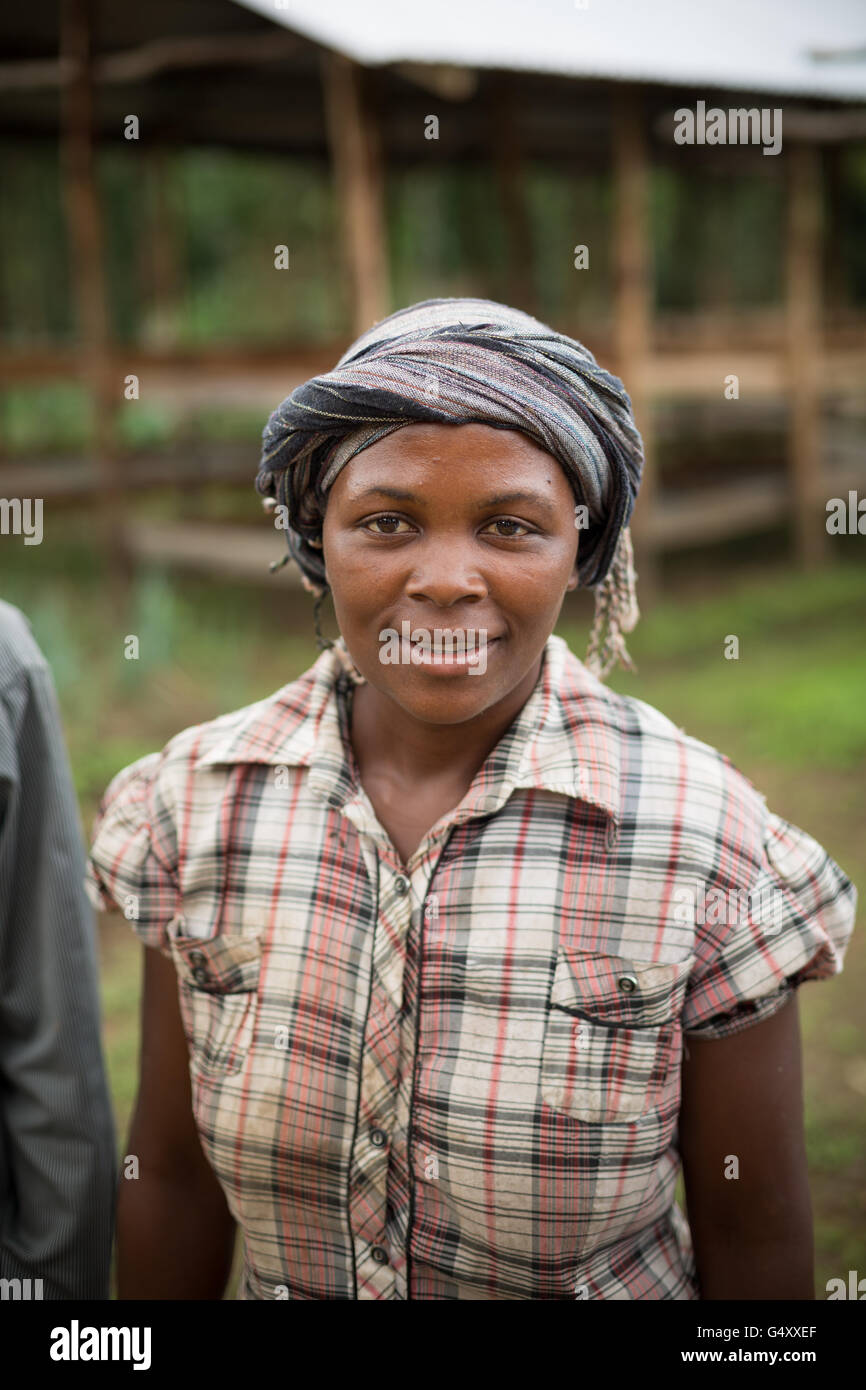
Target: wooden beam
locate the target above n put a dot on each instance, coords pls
(824, 127)
(353, 138)
(153, 58)
(240, 377)
(685, 520)
(243, 552)
(632, 266)
(67, 478)
(803, 331)
(87, 242)
(444, 80)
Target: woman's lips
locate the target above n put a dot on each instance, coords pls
(471, 657)
(465, 658)
(449, 650)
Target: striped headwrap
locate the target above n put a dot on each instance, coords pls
(453, 362)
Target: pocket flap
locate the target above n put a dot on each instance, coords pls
(229, 963)
(619, 991)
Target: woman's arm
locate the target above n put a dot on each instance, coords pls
(742, 1097)
(175, 1234)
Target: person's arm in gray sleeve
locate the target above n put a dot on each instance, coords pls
(57, 1140)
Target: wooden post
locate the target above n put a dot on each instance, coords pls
(508, 164)
(632, 263)
(804, 348)
(355, 150)
(835, 297)
(161, 275)
(84, 222)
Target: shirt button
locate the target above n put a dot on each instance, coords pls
(401, 885)
(611, 836)
(200, 975)
(197, 958)
(379, 1255)
(378, 1137)
(627, 983)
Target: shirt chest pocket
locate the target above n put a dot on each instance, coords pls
(613, 1037)
(218, 983)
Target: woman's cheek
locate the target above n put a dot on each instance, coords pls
(353, 556)
(527, 583)
(364, 584)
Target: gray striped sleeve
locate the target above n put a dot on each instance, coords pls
(57, 1138)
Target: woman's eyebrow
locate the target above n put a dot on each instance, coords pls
(394, 492)
(500, 499)
(536, 498)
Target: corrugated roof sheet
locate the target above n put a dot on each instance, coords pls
(746, 45)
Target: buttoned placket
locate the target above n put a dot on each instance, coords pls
(381, 1176)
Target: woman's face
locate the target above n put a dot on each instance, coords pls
(464, 533)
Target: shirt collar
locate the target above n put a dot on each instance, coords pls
(565, 739)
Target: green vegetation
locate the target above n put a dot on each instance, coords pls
(715, 238)
(794, 696)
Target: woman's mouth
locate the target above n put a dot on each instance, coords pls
(446, 650)
(469, 659)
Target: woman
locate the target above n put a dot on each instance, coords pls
(468, 954)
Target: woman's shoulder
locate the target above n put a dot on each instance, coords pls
(769, 908)
(152, 804)
(165, 777)
(236, 735)
(651, 748)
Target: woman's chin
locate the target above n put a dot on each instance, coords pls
(437, 698)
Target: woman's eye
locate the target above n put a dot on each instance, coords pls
(387, 518)
(387, 525)
(506, 521)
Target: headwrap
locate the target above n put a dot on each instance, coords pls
(454, 362)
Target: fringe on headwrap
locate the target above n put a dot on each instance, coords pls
(616, 612)
(339, 647)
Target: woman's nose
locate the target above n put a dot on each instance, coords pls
(446, 571)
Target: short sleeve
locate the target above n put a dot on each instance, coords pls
(132, 864)
(755, 947)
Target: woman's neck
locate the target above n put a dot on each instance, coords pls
(387, 741)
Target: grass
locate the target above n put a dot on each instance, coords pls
(789, 712)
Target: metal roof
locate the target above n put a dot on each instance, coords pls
(258, 85)
(794, 47)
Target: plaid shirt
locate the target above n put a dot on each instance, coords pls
(460, 1077)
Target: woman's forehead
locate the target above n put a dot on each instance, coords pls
(467, 445)
(454, 472)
